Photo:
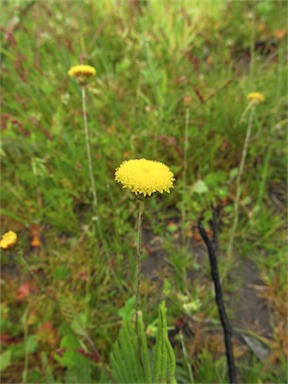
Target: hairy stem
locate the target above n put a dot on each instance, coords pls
(186, 145)
(138, 265)
(88, 150)
(238, 182)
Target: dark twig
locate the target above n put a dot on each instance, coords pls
(212, 246)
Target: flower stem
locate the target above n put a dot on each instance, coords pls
(186, 145)
(26, 361)
(95, 201)
(138, 266)
(88, 149)
(186, 359)
(238, 181)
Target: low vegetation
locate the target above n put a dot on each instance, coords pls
(171, 85)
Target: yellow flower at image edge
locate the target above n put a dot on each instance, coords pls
(257, 97)
(82, 70)
(9, 239)
(145, 177)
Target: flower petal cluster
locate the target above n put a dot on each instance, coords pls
(82, 70)
(257, 97)
(145, 177)
(9, 239)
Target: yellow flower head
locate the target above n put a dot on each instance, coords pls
(145, 176)
(82, 70)
(9, 239)
(82, 73)
(256, 97)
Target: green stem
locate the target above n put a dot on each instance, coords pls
(95, 201)
(264, 177)
(90, 168)
(26, 361)
(88, 150)
(186, 145)
(138, 265)
(238, 182)
(186, 358)
(252, 47)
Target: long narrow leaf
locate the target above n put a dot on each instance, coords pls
(160, 351)
(131, 355)
(144, 350)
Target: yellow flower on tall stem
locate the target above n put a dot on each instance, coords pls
(187, 100)
(83, 74)
(143, 177)
(9, 239)
(255, 98)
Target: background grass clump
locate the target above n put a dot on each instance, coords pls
(150, 56)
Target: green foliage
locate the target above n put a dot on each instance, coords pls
(126, 312)
(78, 366)
(77, 321)
(6, 359)
(18, 351)
(133, 362)
(165, 362)
(148, 56)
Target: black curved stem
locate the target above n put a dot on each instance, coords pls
(212, 248)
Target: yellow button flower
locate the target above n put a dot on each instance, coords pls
(257, 97)
(82, 70)
(9, 239)
(145, 176)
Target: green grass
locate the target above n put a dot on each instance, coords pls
(148, 56)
